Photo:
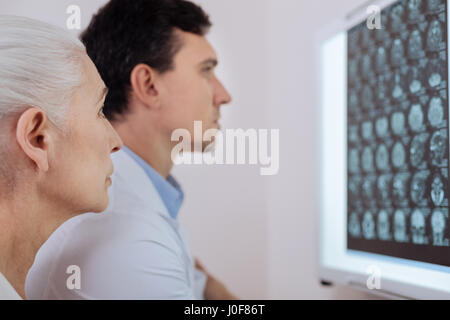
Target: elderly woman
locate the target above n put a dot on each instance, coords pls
(55, 143)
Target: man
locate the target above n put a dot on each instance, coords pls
(55, 143)
(159, 68)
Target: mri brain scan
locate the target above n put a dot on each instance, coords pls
(438, 224)
(438, 187)
(397, 52)
(436, 112)
(383, 225)
(368, 226)
(384, 188)
(414, 9)
(438, 148)
(382, 158)
(367, 159)
(434, 36)
(418, 188)
(398, 155)
(382, 126)
(434, 73)
(354, 225)
(416, 118)
(417, 151)
(398, 123)
(415, 79)
(418, 227)
(400, 234)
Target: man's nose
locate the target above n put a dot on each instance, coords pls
(222, 96)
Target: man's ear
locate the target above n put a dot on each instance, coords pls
(143, 82)
(33, 137)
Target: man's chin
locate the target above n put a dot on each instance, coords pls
(100, 207)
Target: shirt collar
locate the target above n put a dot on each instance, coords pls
(169, 189)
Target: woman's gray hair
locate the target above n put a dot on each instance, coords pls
(40, 66)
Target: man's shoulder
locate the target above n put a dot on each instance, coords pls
(112, 227)
(110, 241)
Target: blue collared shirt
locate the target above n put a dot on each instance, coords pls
(168, 189)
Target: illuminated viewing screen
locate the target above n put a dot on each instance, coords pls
(384, 206)
(397, 134)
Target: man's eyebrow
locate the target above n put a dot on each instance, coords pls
(210, 61)
(104, 93)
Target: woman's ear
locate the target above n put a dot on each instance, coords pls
(143, 84)
(33, 136)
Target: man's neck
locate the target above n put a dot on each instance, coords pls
(152, 147)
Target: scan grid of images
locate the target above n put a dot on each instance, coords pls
(398, 127)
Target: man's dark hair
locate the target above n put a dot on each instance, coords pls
(125, 33)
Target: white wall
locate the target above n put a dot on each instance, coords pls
(254, 232)
(293, 107)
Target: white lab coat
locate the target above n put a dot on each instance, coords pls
(133, 250)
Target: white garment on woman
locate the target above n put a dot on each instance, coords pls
(7, 292)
